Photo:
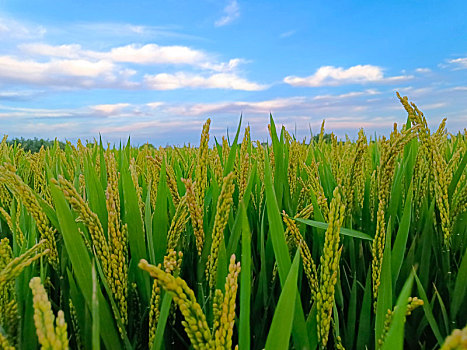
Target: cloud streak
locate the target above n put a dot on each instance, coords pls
(287, 34)
(14, 30)
(179, 80)
(334, 76)
(459, 63)
(231, 13)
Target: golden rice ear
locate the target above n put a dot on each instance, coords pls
(196, 214)
(5, 343)
(201, 170)
(15, 266)
(117, 237)
(456, 340)
(216, 165)
(51, 332)
(28, 198)
(90, 220)
(9, 315)
(390, 149)
(413, 303)
(308, 263)
(172, 265)
(224, 204)
(195, 322)
(177, 227)
(243, 165)
(329, 267)
(223, 334)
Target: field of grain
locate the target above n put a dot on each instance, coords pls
(286, 245)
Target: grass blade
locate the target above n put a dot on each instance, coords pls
(136, 235)
(245, 284)
(343, 231)
(395, 338)
(160, 220)
(281, 326)
(401, 238)
(161, 324)
(460, 287)
(350, 330)
(96, 342)
(428, 311)
(364, 328)
(228, 167)
(457, 175)
(281, 253)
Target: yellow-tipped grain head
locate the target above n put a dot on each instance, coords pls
(224, 204)
(194, 322)
(51, 333)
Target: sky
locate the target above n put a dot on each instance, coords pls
(156, 70)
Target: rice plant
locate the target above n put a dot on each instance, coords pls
(290, 244)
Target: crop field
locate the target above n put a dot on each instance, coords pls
(237, 244)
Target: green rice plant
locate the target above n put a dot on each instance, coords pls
(343, 243)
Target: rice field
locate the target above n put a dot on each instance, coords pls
(355, 244)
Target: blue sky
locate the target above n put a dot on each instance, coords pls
(158, 70)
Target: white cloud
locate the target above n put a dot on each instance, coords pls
(231, 11)
(137, 29)
(333, 76)
(460, 63)
(229, 66)
(416, 92)
(63, 72)
(287, 34)
(20, 112)
(368, 92)
(111, 32)
(3, 28)
(133, 53)
(149, 54)
(11, 29)
(458, 88)
(230, 81)
(397, 78)
(10, 67)
(40, 63)
(274, 104)
(434, 106)
(255, 107)
(62, 51)
(330, 75)
(155, 54)
(61, 130)
(18, 94)
(162, 126)
(423, 70)
(154, 105)
(109, 109)
(71, 66)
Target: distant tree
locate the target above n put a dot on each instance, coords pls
(326, 138)
(35, 144)
(149, 145)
